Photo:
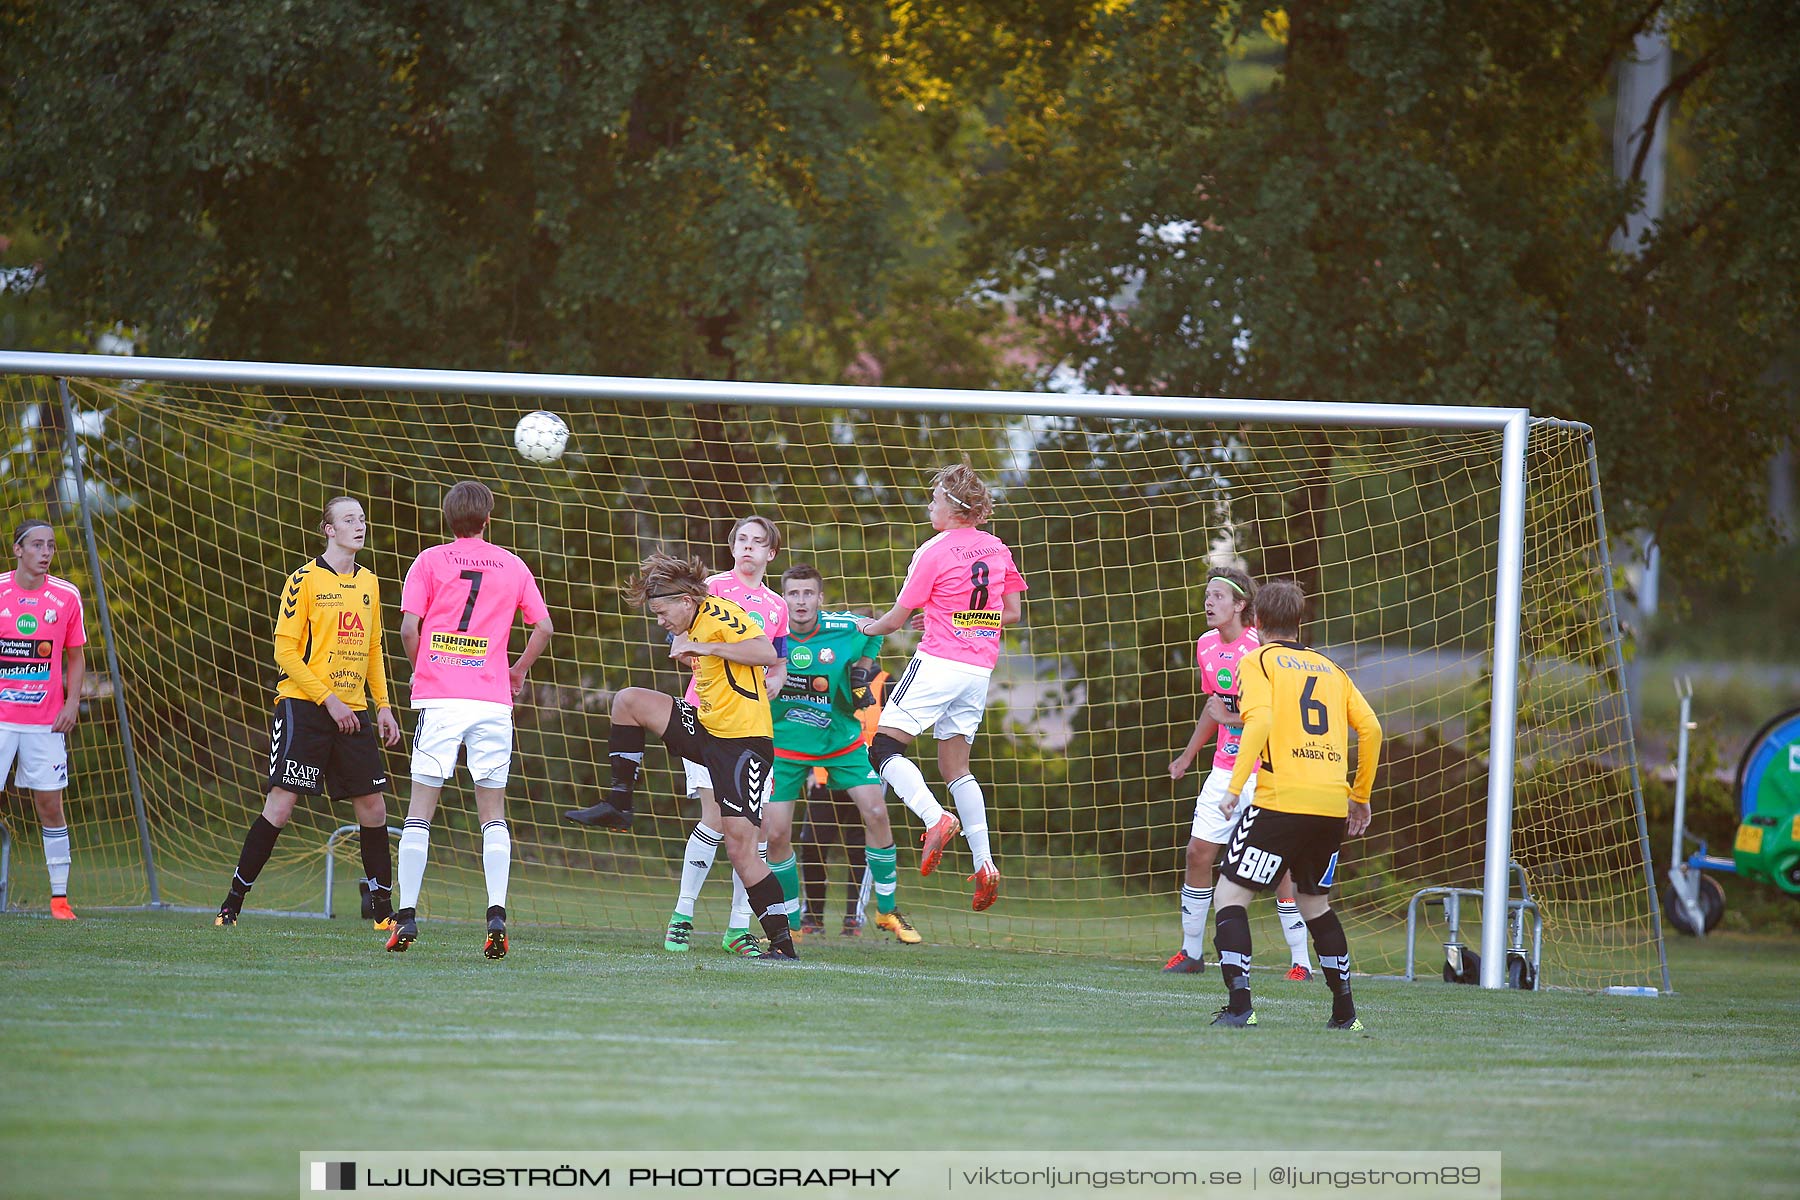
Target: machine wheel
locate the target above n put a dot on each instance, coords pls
(1519, 973)
(1471, 969)
(1712, 906)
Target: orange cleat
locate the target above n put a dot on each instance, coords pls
(1299, 974)
(59, 908)
(987, 886)
(936, 838)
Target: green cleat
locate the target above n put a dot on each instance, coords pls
(1354, 1024)
(743, 945)
(681, 928)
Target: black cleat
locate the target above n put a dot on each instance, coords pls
(603, 814)
(1236, 1020)
(495, 946)
(1354, 1024)
(404, 934)
(227, 915)
(783, 953)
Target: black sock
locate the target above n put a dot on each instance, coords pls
(1334, 959)
(1232, 942)
(378, 867)
(496, 911)
(258, 844)
(625, 751)
(770, 906)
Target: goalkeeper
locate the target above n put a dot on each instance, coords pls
(830, 667)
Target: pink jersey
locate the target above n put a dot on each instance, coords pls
(1218, 660)
(36, 626)
(466, 595)
(960, 578)
(765, 607)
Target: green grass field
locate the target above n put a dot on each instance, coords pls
(152, 1055)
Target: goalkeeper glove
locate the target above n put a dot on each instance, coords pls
(862, 694)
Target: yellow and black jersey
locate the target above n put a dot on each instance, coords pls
(1299, 708)
(734, 703)
(328, 636)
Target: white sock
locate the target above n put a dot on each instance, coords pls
(1293, 928)
(971, 809)
(409, 862)
(740, 899)
(56, 857)
(908, 783)
(496, 860)
(1195, 904)
(702, 850)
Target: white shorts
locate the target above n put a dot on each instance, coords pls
(485, 729)
(947, 697)
(1211, 825)
(697, 777)
(43, 757)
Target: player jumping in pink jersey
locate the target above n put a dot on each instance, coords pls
(1230, 637)
(459, 604)
(970, 589)
(41, 655)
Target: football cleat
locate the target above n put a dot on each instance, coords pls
(1235, 1020)
(899, 926)
(936, 838)
(404, 934)
(743, 945)
(603, 814)
(675, 941)
(385, 925)
(227, 916)
(809, 925)
(852, 928)
(59, 908)
(1183, 963)
(1299, 973)
(1354, 1024)
(778, 954)
(495, 946)
(987, 886)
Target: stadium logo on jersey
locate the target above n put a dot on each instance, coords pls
(27, 623)
(800, 658)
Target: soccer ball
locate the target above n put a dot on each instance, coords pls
(540, 436)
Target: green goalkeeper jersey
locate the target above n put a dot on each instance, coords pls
(815, 713)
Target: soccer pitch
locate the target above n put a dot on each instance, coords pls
(153, 1055)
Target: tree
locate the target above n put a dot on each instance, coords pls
(1419, 210)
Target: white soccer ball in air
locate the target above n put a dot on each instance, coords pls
(540, 436)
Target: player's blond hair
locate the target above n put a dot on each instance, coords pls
(968, 494)
(1280, 607)
(331, 507)
(663, 574)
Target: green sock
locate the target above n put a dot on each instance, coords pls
(883, 868)
(787, 873)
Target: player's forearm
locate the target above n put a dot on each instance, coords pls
(756, 652)
(888, 622)
(1368, 757)
(1204, 729)
(535, 645)
(74, 675)
(1012, 609)
(293, 665)
(1256, 736)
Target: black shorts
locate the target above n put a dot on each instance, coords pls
(309, 754)
(742, 769)
(1267, 842)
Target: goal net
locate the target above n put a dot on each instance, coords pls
(204, 497)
